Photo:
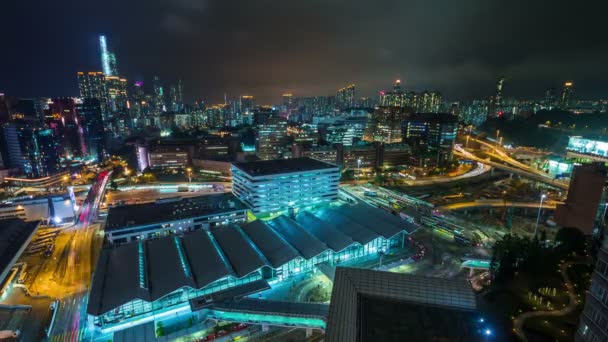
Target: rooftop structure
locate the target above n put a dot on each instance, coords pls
(15, 234)
(371, 305)
(280, 166)
(175, 215)
(279, 185)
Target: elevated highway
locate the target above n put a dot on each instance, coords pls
(459, 151)
(480, 204)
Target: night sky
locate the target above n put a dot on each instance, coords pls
(309, 47)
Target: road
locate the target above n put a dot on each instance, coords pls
(74, 267)
(518, 323)
(461, 152)
(477, 171)
(496, 203)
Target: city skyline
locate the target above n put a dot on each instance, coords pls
(458, 50)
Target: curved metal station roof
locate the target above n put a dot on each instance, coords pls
(151, 269)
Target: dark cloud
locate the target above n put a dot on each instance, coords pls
(266, 47)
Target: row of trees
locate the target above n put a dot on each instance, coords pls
(516, 253)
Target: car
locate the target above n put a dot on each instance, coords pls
(210, 337)
(240, 327)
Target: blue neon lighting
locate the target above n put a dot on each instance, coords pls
(143, 283)
(182, 257)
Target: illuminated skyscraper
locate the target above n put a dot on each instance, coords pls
(550, 98)
(247, 103)
(287, 101)
(92, 85)
(385, 125)
(108, 58)
(89, 110)
(566, 95)
(498, 98)
(117, 93)
(430, 102)
(32, 151)
(177, 97)
(346, 97)
(159, 96)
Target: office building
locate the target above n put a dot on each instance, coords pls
(279, 185)
(89, 109)
(116, 93)
(92, 85)
(394, 98)
(346, 97)
(431, 136)
(158, 99)
(173, 216)
(5, 108)
(586, 201)
(430, 102)
(587, 149)
(108, 58)
(66, 125)
(594, 319)
(287, 101)
(170, 154)
(385, 125)
(141, 281)
(176, 96)
(498, 97)
(368, 305)
(566, 97)
(271, 137)
(32, 151)
(247, 103)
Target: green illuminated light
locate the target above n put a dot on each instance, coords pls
(270, 319)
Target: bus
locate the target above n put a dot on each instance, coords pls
(370, 193)
(461, 240)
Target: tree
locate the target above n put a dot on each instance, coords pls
(114, 185)
(347, 175)
(570, 240)
(509, 254)
(160, 331)
(380, 179)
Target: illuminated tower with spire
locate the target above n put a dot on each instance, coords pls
(108, 58)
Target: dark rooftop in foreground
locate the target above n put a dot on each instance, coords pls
(149, 213)
(369, 305)
(14, 233)
(272, 167)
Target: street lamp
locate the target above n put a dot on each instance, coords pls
(189, 174)
(467, 144)
(358, 171)
(540, 207)
(497, 134)
(127, 172)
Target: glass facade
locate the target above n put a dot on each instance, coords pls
(588, 146)
(140, 310)
(275, 193)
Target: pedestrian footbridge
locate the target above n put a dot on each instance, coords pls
(266, 312)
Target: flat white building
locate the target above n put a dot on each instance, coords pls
(272, 186)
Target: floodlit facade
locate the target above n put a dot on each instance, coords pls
(173, 216)
(589, 147)
(280, 185)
